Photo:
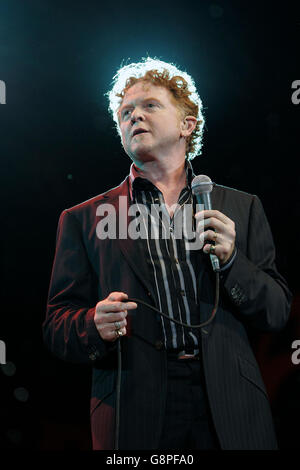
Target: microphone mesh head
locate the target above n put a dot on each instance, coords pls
(201, 184)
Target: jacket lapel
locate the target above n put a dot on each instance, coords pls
(131, 249)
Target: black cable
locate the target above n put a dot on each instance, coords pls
(201, 325)
(118, 394)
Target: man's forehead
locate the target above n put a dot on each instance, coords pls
(144, 89)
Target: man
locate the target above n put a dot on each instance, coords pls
(181, 388)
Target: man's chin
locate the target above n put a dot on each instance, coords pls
(141, 155)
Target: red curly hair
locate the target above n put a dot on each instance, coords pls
(178, 88)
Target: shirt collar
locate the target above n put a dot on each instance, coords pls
(135, 180)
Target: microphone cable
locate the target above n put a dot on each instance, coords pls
(119, 353)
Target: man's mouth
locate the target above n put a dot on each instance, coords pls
(138, 131)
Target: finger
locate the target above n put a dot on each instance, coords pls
(114, 335)
(212, 235)
(222, 253)
(109, 318)
(110, 326)
(120, 323)
(111, 335)
(115, 296)
(213, 213)
(106, 307)
(206, 249)
(211, 222)
(130, 305)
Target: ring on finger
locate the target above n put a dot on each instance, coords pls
(118, 333)
(215, 236)
(117, 325)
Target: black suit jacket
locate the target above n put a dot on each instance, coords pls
(253, 295)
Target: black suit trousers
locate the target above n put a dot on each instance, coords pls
(187, 422)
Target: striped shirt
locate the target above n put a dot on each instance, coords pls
(171, 267)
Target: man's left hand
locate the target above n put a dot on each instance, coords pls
(223, 234)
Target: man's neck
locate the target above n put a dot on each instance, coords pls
(164, 176)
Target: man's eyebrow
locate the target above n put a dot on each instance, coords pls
(128, 105)
(152, 99)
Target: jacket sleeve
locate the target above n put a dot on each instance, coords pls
(253, 283)
(69, 330)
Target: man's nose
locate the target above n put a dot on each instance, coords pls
(136, 115)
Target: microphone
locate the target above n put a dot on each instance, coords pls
(202, 186)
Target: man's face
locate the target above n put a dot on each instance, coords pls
(150, 122)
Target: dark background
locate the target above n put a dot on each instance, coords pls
(58, 147)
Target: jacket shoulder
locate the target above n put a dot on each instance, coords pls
(106, 197)
(224, 195)
(234, 203)
(233, 192)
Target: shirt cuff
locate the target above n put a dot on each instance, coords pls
(229, 262)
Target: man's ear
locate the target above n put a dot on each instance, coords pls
(188, 125)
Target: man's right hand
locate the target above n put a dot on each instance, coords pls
(110, 315)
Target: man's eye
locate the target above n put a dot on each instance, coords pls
(126, 113)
